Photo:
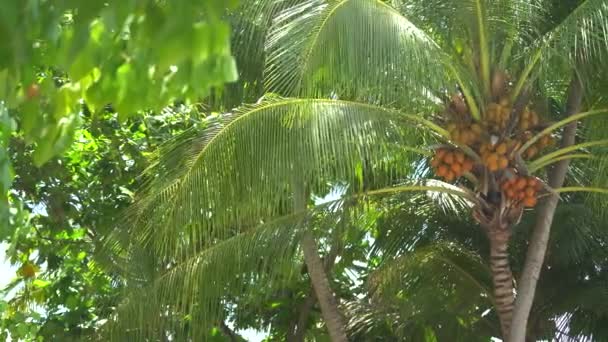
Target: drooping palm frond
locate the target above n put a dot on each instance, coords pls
(372, 323)
(352, 49)
(190, 294)
(238, 170)
(250, 23)
(443, 285)
(502, 22)
(405, 228)
(583, 34)
(165, 294)
(409, 221)
(448, 256)
(577, 39)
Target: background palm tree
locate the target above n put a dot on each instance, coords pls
(354, 86)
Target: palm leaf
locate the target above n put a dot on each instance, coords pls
(439, 279)
(195, 288)
(578, 39)
(353, 49)
(238, 170)
(583, 34)
(182, 287)
(250, 23)
(559, 124)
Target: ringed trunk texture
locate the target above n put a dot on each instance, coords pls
(540, 237)
(324, 294)
(502, 278)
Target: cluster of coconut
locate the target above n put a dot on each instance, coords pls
(495, 139)
(451, 163)
(521, 190)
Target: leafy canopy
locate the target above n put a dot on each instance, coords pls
(132, 54)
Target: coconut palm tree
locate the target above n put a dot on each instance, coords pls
(357, 93)
(433, 278)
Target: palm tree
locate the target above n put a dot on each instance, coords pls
(358, 91)
(433, 278)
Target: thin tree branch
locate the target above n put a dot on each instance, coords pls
(298, 328)
(540, 237)
(234, 337)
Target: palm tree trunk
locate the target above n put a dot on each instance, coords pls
(320, 283)
(540, 237)
(318, 277)
(298, 328)
(502, 278)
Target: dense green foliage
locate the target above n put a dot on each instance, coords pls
(57, 54)
(65, 206)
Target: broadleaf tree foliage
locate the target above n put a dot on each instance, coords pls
(57, 55)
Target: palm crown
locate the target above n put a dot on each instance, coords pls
(359, 93)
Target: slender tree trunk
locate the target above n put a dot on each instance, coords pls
(320, 283)
(298, 328)
(540, 237)
(318, 277)
(502, 278)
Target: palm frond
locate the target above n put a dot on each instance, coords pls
(237, 171)
(352, 49)
(559, 124)
(440, 279)
(539, 166)
(563, 151)
(505, 21)
(366, 321)
(578, 39)
(249, 23)
(164, 294)
(196, 288)
(413, 220)
(447, 256)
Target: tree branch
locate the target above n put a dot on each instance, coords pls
(298, 328)
(540, 236)
(228, 332)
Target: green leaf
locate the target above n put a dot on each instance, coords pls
(66, 100)
(81, 255)
(126, 191)
(72, 302)
(31, 120)
(39, 283)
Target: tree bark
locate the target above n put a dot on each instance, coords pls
(540, 236)
(298, 328)
(320, 283)
(502, 278)
(318, 277)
